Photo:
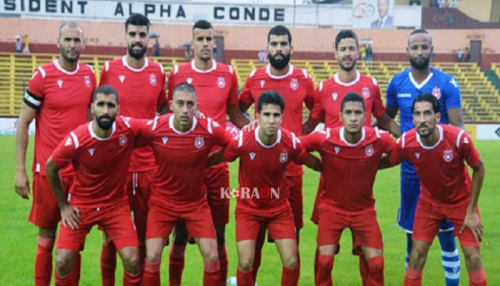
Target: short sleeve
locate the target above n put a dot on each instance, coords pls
(310, 93)
(162, 96)
(392, 91)
(317, 111)
(36, 89)
(231, 151)
(301, 154)
(468, 151)
(378, 108)
(65, 152)
(221, 136)
(312, 142)
(171, 84)
(143, 130)
(452, 95)
(246, 94)
(388, 143)
(396, 156)
(233, 93)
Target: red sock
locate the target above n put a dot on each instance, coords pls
(151, 276)
(223, 264)
(211, 275)
(316, 254)
(108, 265)
(363, 269)
(259, 243)
(375, 271)
(131, 279)
(64, 281)
(43, 261)
(77, 268)
(176, 265)
(325, 267)
(290, 276)
(244, 278)
(413, 278)
(477, 278)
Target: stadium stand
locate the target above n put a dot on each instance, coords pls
(481, 100)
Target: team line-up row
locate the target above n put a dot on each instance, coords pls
(97, 177)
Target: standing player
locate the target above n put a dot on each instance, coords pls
(58, 97)
(100, 154)
(438, 153)
(402, 90)
(297, 88)
(141, 85)
(181, 144)
(351, 155)
(265, 154)
(330, 92)
(217, 88)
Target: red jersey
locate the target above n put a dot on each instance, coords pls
(140, 91)
(217, 87)
(262, 169)
(444, 178)
(349, 169)
(330, 93)
(61, 99)
(181, 158)
(100, 164)
(296, 87)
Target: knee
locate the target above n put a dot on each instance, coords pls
(245, 264)
(153, 256)
(290, 262)
(64, 263)
(211, 256)
(376, 264)
(325, 262)
(131, 262)
(473, 258)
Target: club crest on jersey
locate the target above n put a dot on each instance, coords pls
(436, 92)
(152, 79)
(199, 142)
(294, 84)
(369, 150)
(283, 157)
(87, 80)
(122, 141)
(365, 92)
(221, 82)
(448, 155)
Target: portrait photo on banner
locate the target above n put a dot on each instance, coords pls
(373, 14)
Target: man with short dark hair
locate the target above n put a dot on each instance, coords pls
(99, 152)
(439, 153)
(58, 96)
(350, 157)
(217, 88)
(141, 85)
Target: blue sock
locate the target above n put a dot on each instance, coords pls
(408, 250)
(451, 258)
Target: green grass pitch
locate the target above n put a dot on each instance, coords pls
(18, 237)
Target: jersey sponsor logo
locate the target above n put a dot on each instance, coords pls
(294, 84)
(164, 139)
(369, 150)
(199, 142)
(335, 95)
(189, 80)
(417, 155)
(337, 149)
(122, 141)
(262, 82)
(436, 92)
(87, 80)
(91, 151)
(365, 92)
(59, 83)
(252, 156)
(448, 155)
(68, 142)
(152, 79)
(404, 95)
(283, 157)
(221, 82)
(122, 78)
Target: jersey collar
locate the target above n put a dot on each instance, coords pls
(419, 86)
(171, 124)
(268, 71)
(214, 66)
(440, 129)
(256, 134)
(61, 69)
(124, 61)
(363, 133)
(337, 79)
(93, 135)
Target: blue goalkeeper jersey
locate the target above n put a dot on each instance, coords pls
(403, 90)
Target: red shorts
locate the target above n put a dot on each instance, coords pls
(294, 183)
(138, 188)
(45, 211)
(280, 225)
(115, 221)
(364, 228)
(321, 188)
(429, 218)
(216, 179)
(198, 221)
